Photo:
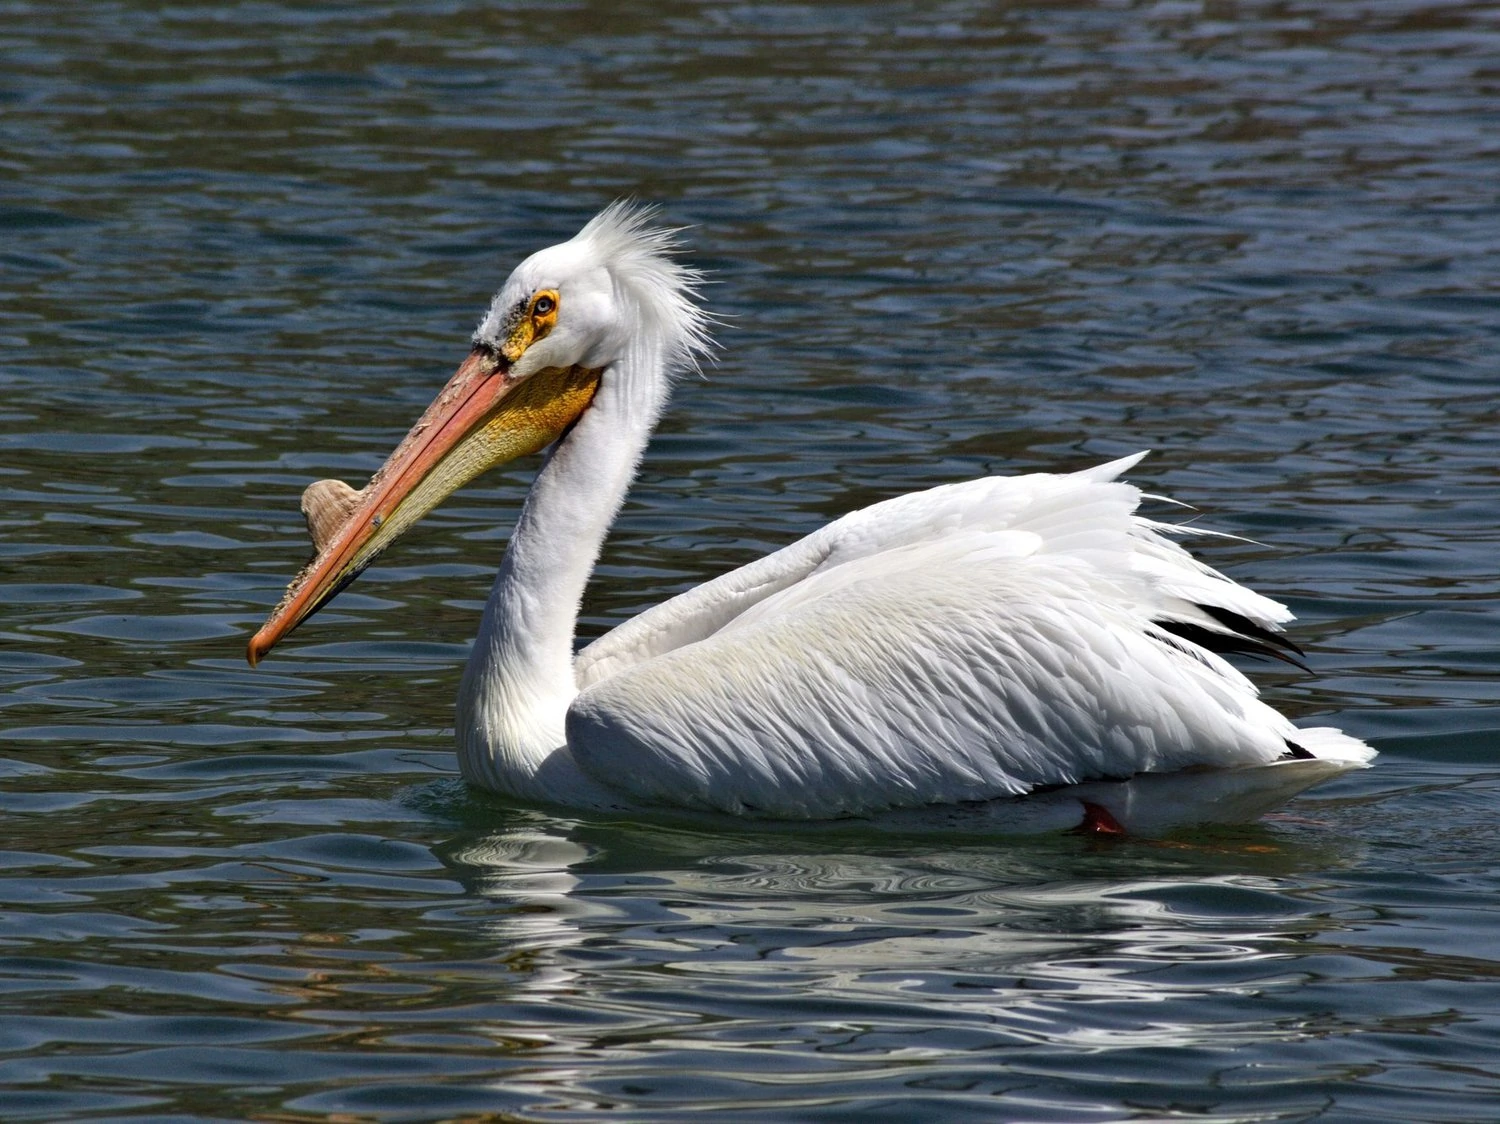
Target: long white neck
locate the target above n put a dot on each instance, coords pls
(519, 679)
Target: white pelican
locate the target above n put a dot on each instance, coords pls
(943, 649)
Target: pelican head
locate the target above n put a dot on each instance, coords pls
(568, 318)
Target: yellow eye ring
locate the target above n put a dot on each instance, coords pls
(544, 305)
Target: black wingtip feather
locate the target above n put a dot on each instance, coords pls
(1246, 627)
(1244, 637)
(1295, 752)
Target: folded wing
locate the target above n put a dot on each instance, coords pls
(976, 640)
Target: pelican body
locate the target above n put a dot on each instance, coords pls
(947, 649)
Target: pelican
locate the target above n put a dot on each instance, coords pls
(949, 649)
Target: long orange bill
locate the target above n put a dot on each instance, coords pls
(482, 418)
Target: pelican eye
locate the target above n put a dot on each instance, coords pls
(544, 305)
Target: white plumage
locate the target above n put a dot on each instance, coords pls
(973, 642)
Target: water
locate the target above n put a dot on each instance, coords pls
(241, 246)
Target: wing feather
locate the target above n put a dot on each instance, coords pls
(977, 640)
(1044, 503)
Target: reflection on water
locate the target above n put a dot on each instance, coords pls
(240, 248)
(918, 964)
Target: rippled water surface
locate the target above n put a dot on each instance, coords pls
(241, 246)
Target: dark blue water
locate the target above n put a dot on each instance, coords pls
(241, 246)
